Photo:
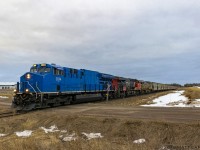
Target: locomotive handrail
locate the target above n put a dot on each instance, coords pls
(32, 88)
(40, 92)
(38, 88)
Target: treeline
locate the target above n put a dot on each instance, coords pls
(192, 84)
(186, 85)
(176, 84)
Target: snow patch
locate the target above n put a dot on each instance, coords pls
(176, 99)
(1, 135)
(164, 148)
(25, 133)
(197, 87)
(68, 138)
(53, 128)
(63, 131)
(198, 100)
(4, 97)
(92, 135)
(139, 141)
(64, 136)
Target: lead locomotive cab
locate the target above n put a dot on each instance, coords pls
(40, 87)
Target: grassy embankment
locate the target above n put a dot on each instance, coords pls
(6, 97)
(192, 93)
(6, 93)
(118, 134)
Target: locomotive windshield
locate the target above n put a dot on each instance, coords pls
(44, 70)
(33, 69)
(40, 70)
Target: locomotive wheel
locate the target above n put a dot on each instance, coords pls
(51, 105)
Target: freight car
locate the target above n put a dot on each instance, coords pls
(48, 85)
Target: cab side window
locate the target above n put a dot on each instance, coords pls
(73, 73)
(58, 72)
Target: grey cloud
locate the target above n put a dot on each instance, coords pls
(119, 37)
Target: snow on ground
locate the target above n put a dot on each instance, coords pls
(69, 137)
(175, 99)
(92, 135)
(198, 100)
(53, 128)
(164, 148)
(63, 131)
(139, 141)
(25, 133)
(4, 97)
(197, 87)
(64, 135)
(1, 135)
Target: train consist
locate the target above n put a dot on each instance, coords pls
(48, 85)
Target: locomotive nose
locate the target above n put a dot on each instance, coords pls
(31, 83)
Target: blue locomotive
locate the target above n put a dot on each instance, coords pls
(48, 85)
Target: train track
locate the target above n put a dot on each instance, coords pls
(10, 114)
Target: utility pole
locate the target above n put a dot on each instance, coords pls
(108, 89)
(124, 89)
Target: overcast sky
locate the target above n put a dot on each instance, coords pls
(153, 40)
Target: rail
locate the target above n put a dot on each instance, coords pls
(9, 114)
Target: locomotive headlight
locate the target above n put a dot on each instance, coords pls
(28, 76)
(27, 90)
(15, 90)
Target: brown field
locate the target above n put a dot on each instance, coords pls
(192, 93)
(119, 121)
(7, 93)
(118, 133)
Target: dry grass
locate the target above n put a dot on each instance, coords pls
(137, 100)
(118, 134)
(192, 93)
(7, 93)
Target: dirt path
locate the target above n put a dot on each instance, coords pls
(131, 112)
(136, 113)
(125, 108)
